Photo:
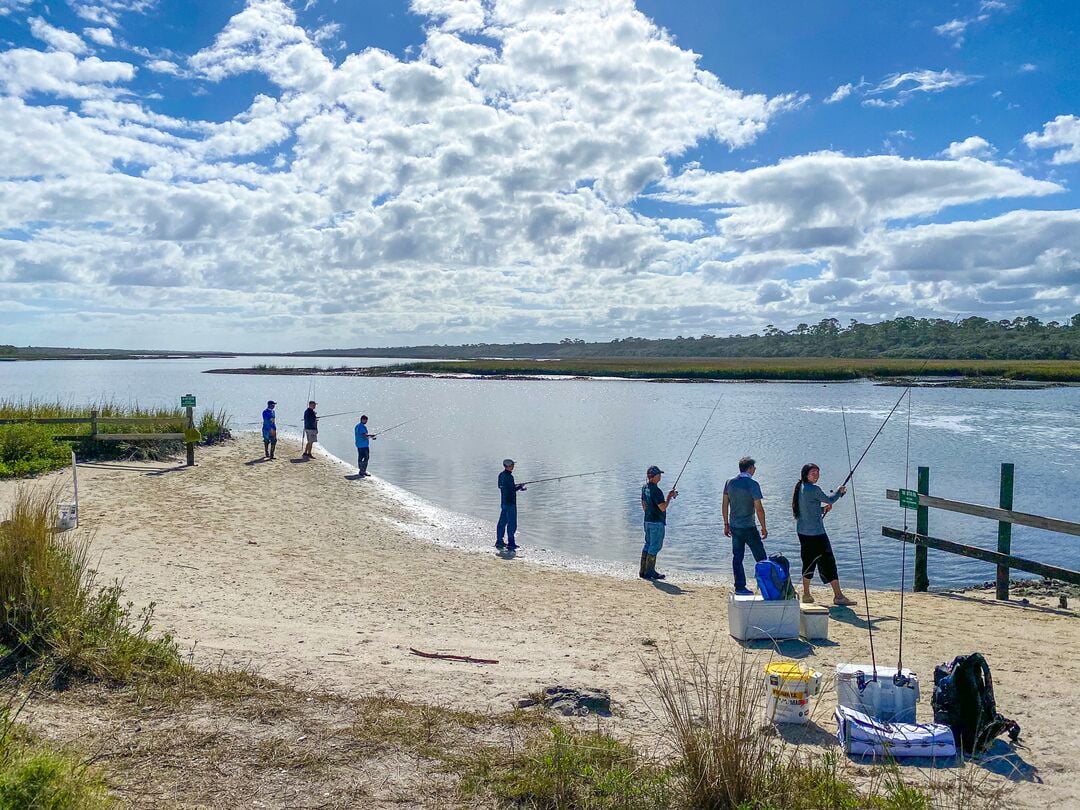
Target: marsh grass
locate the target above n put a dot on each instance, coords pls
(31, 449)
(754, 368)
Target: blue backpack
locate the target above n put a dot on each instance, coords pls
(773, 578)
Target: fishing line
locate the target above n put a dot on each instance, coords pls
(562, 477)
(395, 427)
(903, 553)
(858, 537)
(692, 449)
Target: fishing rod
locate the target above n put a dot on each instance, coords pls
(342, 413)
(862, 565)
(395, 427)
(562, 477)
(692, 449)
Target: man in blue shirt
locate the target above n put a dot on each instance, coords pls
(508, 490)
(655, 506)
(269, 430)
(363, 449)
(742, 502)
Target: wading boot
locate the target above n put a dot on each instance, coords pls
(650, 568)
(644, 565)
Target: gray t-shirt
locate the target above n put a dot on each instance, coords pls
(742, 491)
(811, 498)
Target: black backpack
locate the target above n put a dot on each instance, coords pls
(964, 700)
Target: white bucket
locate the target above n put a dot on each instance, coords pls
(788, 689)
(67, 516)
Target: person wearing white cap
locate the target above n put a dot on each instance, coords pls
(508, 514)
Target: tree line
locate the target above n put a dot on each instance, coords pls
(974, 338)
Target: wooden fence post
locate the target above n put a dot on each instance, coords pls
(93, 424)
(190, 445)
(1005, 501)
(922, 526)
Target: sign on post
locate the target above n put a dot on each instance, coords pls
(909, 499)
(187, 401)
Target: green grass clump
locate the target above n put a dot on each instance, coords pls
(36, 777)
(28, 449)
(56, 620)
(569, 769)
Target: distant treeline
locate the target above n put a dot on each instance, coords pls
(1024, 338)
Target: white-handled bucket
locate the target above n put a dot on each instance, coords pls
(788, 689)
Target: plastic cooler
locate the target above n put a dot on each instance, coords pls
(888, 699)
(751, 617)
(814, 622)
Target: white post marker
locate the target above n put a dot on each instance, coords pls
(75, 481)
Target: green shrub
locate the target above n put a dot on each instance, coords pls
(56, 617)
(28, 449)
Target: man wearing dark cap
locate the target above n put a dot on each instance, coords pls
(311, 429)
(741, 505)
(269, 430)
(655, 506)
(508, 514)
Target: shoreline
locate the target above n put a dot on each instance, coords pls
(309, 579)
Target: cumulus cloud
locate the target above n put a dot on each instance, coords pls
(108, 12)
(492, 179)
(1063, 134)
(102, 36)
(57, 38)
(973, 146)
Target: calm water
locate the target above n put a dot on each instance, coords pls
(452, 454)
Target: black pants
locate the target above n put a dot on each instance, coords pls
(816, 552)
(362, 456)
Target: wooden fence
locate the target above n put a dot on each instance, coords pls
(1006, 518)
(95, 420)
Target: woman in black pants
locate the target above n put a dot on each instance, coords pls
(810, 504)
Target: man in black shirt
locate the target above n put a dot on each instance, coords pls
(655, 506)
(508, 514)
(311, 429)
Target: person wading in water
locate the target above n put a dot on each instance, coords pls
(810, 504)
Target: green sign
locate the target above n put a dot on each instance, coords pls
(187, 401)
(909, 499)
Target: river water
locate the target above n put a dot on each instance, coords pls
(450, 457)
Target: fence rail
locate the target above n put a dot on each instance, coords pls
(1003, 514)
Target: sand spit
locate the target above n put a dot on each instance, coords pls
(315, 579)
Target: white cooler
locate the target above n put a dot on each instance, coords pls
(814, 622)
(883, 699)
(751, 617)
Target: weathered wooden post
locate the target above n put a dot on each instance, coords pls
(922, 527)
(187, 401)
(93, 425)
(1005, 501)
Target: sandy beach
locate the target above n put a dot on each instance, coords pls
(310, 577)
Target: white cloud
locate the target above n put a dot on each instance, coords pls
(108, 12)
(24, 71)
(163, 66)
(57, 38)
(1063, 134)
(840, 93)
(102, 36)
(828, 199)
(973, 146)
(8, 6)
(1028, 67)
(485, 181)
(923, 81)
(455, 15)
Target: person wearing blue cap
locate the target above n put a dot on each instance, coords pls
(655, 506)
(508, 513)
(269, 430)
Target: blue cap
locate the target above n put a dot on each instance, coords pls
(653, 470)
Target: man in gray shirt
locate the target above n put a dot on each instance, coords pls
(742, 503)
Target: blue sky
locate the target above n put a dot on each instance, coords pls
(271, 175)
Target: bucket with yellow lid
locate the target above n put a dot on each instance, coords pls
(788, 689)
